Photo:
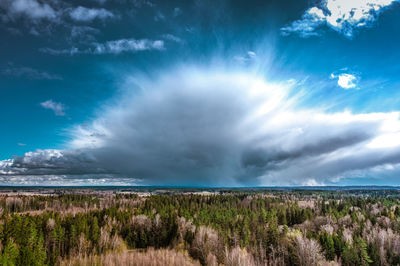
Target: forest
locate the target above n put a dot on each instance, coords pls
(216, 227)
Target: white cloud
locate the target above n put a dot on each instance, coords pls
(345, 80)
(306, 27)
(343, 16)
(88, 14)
(251, 54)
(29, 8)
(212, 127)
(128, 45)
(5, 166)
(57, 108)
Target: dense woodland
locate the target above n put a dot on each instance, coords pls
(298, 227)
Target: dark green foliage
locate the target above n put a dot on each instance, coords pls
(10, 254)
(328, 246)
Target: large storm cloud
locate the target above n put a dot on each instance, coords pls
(211, 127)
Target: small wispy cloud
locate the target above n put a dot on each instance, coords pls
(101, 2)
(128, 45)
(68, 51)
(345, 80)
(177, 11)
(57, 108)
(21, 144)
(111, 47)
(171, 37)
(248, 57)
(88, 14)
(343, 16)
(29, 73)
(159, 16)
(141, 3)
(83, 33)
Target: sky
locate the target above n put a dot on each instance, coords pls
(200, 92)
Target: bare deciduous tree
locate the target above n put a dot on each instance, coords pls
(308, 251)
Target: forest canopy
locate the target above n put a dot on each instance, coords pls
(218, 227)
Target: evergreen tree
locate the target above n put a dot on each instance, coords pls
(362, 250)
(95, 231)
(10, 254)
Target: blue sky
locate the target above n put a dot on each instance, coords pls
(162, 92)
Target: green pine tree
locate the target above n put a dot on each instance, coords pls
(10, 254)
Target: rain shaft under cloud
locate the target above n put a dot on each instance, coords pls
(199, 126)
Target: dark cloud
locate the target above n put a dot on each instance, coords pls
(83, 34)
(31, 9)
(47, 17)
(85, 14)
(51, 162)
